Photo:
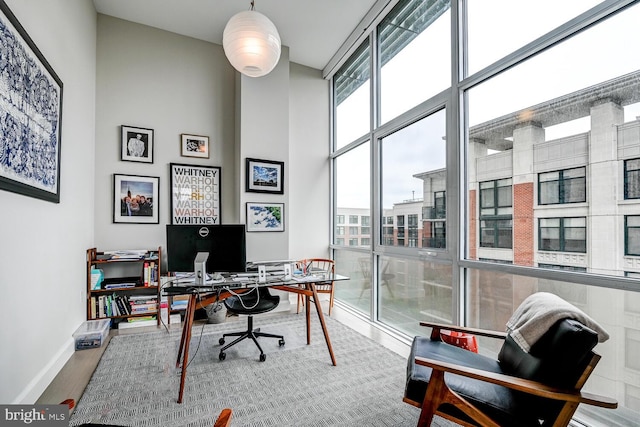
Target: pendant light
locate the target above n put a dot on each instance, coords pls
(251, 43)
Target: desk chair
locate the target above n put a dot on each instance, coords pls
(323, 266)
(535, 386)
(256, 301)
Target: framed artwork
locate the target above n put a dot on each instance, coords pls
(194, 146)
(30, 115)
(135, 199)
(265, 216)
(265, 176)
(195, 194)
(136, 144)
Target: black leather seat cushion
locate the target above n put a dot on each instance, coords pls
(255, 301)
(506, 407)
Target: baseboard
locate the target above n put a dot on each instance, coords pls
(41, 381)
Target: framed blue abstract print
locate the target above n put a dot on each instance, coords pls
(30, 115)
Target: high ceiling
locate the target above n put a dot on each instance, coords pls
(312, 29)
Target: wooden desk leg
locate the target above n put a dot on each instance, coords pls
(307, 309)
(185, 358)
(184, 333)
(322, 322)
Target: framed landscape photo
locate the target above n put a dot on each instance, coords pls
(194, 146)
(31, 111)
(265, 216)
(195, 194)
(265, 176)
(135, 199)
(136, 144)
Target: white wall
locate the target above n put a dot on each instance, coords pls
(43, 244)
(169, 83)
(116, 72)
(309, 210)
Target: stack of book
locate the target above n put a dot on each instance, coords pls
(143, 304)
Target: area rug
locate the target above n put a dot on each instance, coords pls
(136, 382)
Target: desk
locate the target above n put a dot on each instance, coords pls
(219, 292)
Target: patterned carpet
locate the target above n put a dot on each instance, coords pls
(136, 382)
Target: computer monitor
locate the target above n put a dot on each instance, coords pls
(225, 244)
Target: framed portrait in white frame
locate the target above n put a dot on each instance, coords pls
(194, 146)
(135, 199)
(136, 144)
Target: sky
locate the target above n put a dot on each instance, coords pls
(496, 28)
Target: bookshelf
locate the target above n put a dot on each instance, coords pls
(124, 285)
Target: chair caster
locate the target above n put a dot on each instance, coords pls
(263, 357)
(281, 343)
(222, 355)
(221, 341)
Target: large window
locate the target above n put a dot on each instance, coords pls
(413, 163)
(528, 180)
(414, 36)
(565, 186)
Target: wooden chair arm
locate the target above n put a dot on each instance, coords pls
(474, 331)
(527, 386)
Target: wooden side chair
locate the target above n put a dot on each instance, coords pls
(538, 387)
(315, 266)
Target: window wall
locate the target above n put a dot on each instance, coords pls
(503, 160)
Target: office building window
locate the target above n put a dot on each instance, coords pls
(563, 234)
(365, 230)
(365, 241)
(563, 267)
(565, 186)
(388, 220)
(353, 231)
(339, 219)
(632, 235)
(365, 220)
(353, 242)
(339, 231)
(496, 224)
(632, 179)
(340, 241)
(353, 219)
(440, 204)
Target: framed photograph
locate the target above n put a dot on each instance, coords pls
(195, 194)
(265, 176)
(136, 144)
(265, 216)
(194, 146)
(135, 199)
(31, 115)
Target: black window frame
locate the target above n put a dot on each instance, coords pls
(636, 174)
(497, 224)
(562, 184)
(562, 235)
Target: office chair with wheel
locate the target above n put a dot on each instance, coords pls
(536, 380)
(319, 266)
(253, 302)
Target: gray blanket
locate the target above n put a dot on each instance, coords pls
(539, 312)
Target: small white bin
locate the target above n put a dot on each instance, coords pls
(91, 334)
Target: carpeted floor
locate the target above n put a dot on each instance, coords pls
(136, 382)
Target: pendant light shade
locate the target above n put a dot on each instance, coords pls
(251, 43)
